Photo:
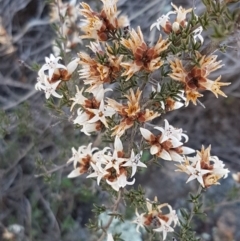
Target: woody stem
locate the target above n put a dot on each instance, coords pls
(114, 209)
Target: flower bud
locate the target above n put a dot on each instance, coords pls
(175, 27)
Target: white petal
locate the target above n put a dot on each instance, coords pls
(110, 237)
(74, 173)
(47, 95)
(175, 156)
(165, 155)
(94, 174)
(55, 94)
(175, 142)
(114, 185)
(118, 144)
(146, 134)
(154, 149)
(132, 182)
(72, 65)
(134, 169)
(187, 150)
(177, 105)
(190, 178)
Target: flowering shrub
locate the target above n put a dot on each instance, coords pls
(118, 97)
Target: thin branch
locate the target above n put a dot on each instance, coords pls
(114, 209)
(52, 170)
(24, 98)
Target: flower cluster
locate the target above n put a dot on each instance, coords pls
(205, 168)
(145, 57)
(104, 68)
(156, 219)
(93, 112)
(130, 112)
(195, 77)
(179, 23)
(101, 26)
(180, 20)
(110, 165)
(168, 144)
(52, 74)
(114, 96)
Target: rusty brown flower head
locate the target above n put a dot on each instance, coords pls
(195, 78)
(130, 112)
(101, 25)
(144, 57)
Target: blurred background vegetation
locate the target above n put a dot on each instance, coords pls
(37, 201)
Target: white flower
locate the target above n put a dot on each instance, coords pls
(113, 160)
(99, 172)
(40, 80)
(169, 132)
(134, 162)
(87, 128)
(212, 168)
(43, 84)
(101, 113)
(168, 146)
(181, 13)
(98, 91)
(172, 216)
(164, 228)
(197, 173)
(120, 182)
(139, 220)
(52, 65)
(81, 157)
(78, 99)
(99, 157)
(76, 155)
(218, 167)
(162, 21)
(82, 117)
(49, 89)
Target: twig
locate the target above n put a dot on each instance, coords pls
(52, 170)
(114, 209)
(62, 30)
(24, 98)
